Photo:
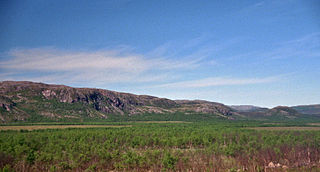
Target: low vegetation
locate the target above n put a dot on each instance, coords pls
(286, 128)
(197, 146)
(40, 127)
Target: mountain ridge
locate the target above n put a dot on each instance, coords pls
(32, 101)
(23, 100)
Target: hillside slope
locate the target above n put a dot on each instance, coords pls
(276, 113)
(29, 101)
(308, 109)
(247, 108)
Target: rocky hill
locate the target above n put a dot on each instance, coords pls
(29, 101)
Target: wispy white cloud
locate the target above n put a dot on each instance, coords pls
(108, 66)
(254, 6)
(307, 46)
(57, 60)
(311, 40)
(122, 65)
(190, 54)
(219, 81)
(48, 59)
(116, 65)
(304, 47)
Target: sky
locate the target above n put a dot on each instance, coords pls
(248, 52)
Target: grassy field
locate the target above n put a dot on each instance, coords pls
(160, 146)
(42, 127)
(315, 124)
(163, 122)
(286, 128)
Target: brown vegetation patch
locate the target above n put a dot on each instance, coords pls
(271, 123)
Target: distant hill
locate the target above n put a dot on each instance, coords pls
(308, 109)
(247, 108)
(284, 112)
(259, 113)
(30, 101)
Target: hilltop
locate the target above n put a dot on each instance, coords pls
(30, 101)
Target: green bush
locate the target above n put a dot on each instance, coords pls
(169, 161)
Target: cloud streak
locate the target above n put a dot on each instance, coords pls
(117, 65)
(162, 66)
(57, 60)
(109, 66)
(307, 46)
(219, 81)
(47, 59)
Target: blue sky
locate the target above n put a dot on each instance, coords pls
(264, 53)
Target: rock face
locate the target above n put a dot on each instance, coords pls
(202, 106)
(21, 100)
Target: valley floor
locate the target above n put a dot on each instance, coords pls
(160, 146)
